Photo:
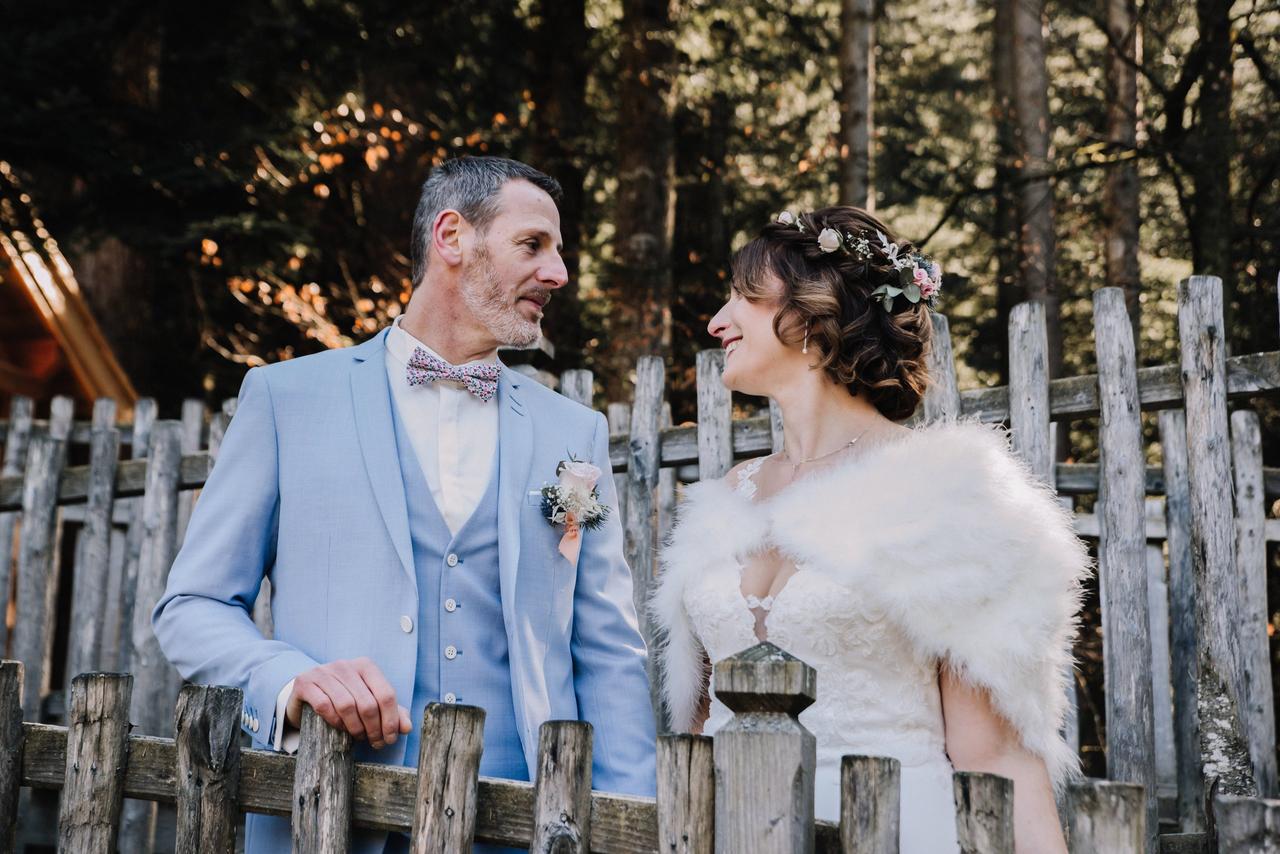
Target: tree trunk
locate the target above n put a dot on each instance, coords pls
(1209, 161)
(640, 286)
(857, 82)
(560, 78)
(1005, 226)
(1035, 191)
(1121, 205)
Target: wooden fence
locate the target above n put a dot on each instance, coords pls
(443, 806)
(1188, 696)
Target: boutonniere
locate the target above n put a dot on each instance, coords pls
(574, 502)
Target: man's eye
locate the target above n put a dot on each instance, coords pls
(531, 245)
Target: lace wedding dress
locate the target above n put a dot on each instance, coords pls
(877, 695)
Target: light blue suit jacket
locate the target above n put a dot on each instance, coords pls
(307, 490)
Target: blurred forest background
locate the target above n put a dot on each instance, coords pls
(235, 184)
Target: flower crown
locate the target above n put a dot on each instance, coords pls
(919, 277)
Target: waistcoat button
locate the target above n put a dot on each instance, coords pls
(406, 624)
(450, 652)
(450, 605)
(452, 560)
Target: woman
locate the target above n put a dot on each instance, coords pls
(925, 575)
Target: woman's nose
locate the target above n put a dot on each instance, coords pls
(719, 323)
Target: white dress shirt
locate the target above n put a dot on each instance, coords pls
(454, 435)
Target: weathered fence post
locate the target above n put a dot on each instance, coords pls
(144, 418)
(21, 411)
(93, 553)
(715, 417)
(156, 683)
(1184, 659)
(1031, 431)
(1221, 700)
(38, 568)
(207, 734)
(1029, 389)
(777, 435)
(1251, 557)
(193, 417)
(578, 386)
(1246, 825)
(984, 813)
(145, 413)
(11, 740)
(1122, 570)
(444, 816)
(1106, 816)
(666, 485)
(97, 755)
(765, 759)
(323, 784)
(619, 417)
(870, 804)
(642, 480)
(686, 794)
(562, 789)
(153, 693)
(1161, 670)
(942, 397)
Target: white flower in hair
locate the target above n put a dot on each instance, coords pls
(829, 240)
(787, 218)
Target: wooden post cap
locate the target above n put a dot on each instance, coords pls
(765, 678)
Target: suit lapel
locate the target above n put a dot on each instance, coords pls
(371, 403)
(515, 454)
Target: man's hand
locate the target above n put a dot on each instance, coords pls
(353, 696)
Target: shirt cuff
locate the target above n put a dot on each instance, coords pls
(285, 738)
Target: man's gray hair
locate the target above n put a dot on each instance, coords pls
(470, 186)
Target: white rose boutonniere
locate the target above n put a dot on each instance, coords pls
(574, 502)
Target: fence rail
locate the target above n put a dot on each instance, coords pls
(1181, 555)
(444, 805)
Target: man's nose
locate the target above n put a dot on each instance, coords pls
(554, 274)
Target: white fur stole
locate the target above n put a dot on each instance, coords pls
(947, 531)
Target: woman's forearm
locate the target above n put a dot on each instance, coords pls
(1036, 826)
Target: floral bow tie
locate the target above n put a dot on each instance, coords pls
(481, 379)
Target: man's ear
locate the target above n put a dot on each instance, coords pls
(447, 234)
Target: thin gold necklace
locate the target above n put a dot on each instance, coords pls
(795, 466)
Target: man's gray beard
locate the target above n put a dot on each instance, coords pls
(483, 294)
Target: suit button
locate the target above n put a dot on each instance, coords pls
(451, 697)
(406, 624)
(450, 652)
(452, 560)
(450, 605)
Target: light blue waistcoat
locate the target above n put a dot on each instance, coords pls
(462, 647)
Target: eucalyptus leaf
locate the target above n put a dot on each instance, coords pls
(913, 292)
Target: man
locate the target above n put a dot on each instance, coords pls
(391, 491)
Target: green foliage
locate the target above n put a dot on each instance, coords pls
(265, 159)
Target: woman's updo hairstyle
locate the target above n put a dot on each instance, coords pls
(874, 352)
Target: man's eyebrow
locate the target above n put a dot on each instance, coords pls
(541, 234)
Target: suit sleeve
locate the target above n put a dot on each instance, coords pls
(204, 622)
(609, 656)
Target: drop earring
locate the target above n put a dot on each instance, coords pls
(805, 348)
